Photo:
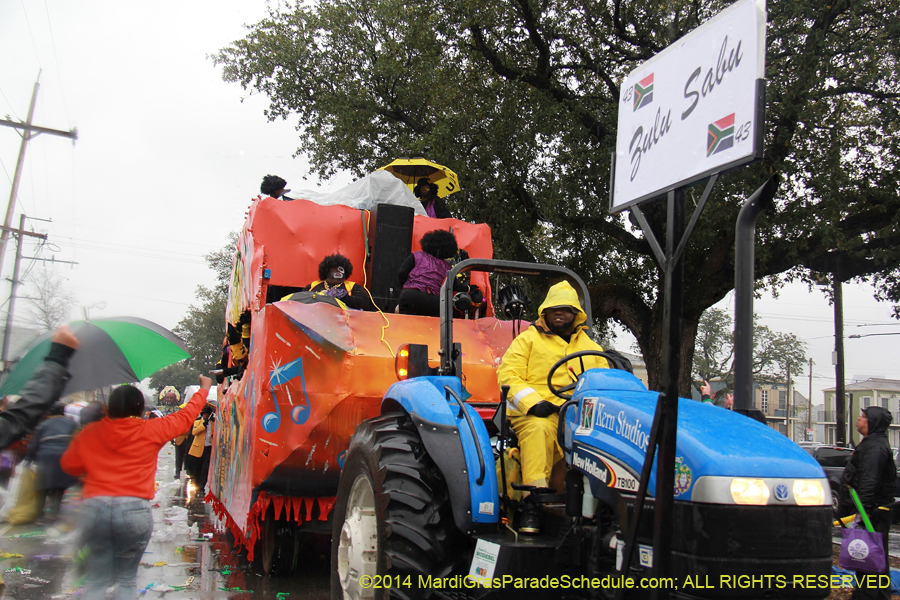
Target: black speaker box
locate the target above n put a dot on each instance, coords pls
(391, 239)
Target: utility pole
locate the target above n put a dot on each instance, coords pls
(790, 403)
(809, 401)
(839, 398)
(7, 335)
(29, 131)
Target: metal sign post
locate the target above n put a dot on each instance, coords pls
(665, 423)
(692, 112)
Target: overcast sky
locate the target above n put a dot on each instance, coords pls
(169, 156)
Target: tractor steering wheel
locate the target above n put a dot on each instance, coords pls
(562, 392)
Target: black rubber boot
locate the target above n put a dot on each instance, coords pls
(529, 517)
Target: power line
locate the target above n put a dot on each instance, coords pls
(29, 131)
(155, 238)
(117, 293)
(129, 250)
(805, 318)
(2, 164)
(62, 90)
(31, 34)
(9, 104)
(858, 335)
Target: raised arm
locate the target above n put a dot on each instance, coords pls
(42, 390)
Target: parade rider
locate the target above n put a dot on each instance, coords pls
(333, 273)
(532, 408)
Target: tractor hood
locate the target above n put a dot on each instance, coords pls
(715, 447)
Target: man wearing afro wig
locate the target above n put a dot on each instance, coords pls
(333, 273)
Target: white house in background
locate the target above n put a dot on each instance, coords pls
(637, 365)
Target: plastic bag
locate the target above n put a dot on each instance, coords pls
(12, 493)
(28, 508)
(375, 188)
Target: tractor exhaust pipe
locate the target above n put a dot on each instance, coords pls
(745, 239)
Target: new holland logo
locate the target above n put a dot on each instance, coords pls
(643, 92)
(720, 135)
(781, 492)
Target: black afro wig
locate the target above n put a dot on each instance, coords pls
(332, 261)
(439, 243)
(271, 184)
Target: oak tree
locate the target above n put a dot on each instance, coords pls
(519, 97)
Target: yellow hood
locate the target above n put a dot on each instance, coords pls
(562, 294)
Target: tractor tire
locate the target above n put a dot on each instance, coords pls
(392, 517)
(278, 546)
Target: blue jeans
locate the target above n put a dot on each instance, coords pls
(116, 530)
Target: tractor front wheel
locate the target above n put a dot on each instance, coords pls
(392, 517)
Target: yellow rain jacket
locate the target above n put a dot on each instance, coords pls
(528, 359)
(524, 369)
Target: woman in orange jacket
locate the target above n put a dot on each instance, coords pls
(117, 455)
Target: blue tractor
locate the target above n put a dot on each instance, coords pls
(419, 511)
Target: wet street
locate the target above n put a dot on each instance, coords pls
(188, 556)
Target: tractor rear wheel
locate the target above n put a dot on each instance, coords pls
(392, 516)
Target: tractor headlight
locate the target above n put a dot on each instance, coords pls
(809, 492)
(749, 491)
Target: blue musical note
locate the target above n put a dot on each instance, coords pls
(272, 421)
(281, 375)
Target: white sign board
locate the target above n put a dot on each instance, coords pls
(484, 562)
(693, 109)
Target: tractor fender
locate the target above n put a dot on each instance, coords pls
(454, 443)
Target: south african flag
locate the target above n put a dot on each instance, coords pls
(643, 92)
(720, 135)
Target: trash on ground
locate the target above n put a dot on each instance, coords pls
(189, 554)
(175, 513)
(30, 534)
(159, 563)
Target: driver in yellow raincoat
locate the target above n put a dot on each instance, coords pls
(532, 408)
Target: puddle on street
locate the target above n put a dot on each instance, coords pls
(200, 561)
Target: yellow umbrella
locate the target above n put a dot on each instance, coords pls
(409, 170)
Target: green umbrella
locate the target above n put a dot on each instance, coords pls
(111, 351)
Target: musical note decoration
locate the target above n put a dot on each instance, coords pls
(280, 375)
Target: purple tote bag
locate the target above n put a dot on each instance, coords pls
(861, 550)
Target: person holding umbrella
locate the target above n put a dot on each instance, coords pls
(112, 351)
(427, 193)
(43, 389)
(117, 455)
